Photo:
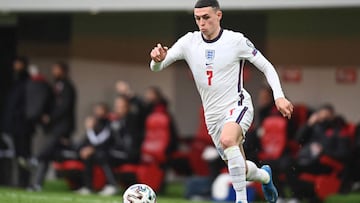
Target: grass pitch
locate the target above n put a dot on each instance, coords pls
(57, 192)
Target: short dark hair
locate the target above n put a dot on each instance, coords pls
(207, 3)
(328, 107)
(63, 66)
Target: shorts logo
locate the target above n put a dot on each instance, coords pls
(231, 111)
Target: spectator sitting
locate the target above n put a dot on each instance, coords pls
(126, 133)
(136, 104)
(266, 108)
(60, 123)
(95, 150)
(266, 104)
(321, 135)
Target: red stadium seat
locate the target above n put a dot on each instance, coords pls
(200, 142)
(69, 165)
(157, 136)
(349, 130)
(193, 154)
(273, 138)
(300, 115)
(71, 171)
(327, 184)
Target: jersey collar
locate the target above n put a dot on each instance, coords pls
(213, 40)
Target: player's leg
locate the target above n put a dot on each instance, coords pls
(233, 133)
(253, 173)
(230, 139)
(262, 175)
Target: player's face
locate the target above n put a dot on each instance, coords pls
(208, 21)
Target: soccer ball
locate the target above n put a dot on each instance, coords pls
(139, 193)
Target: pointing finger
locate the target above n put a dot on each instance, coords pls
(157, 51)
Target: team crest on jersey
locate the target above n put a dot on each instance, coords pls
(209, 54)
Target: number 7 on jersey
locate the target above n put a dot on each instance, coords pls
(209, 74)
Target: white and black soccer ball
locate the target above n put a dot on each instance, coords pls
(139, 193)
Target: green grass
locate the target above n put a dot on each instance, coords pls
(350, 198)
(58, 192)
(16, 196)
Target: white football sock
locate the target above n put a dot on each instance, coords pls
(237, 170)
(256, 174)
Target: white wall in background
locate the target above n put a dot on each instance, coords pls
(319, 86)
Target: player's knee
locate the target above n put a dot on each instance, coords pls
(227, 141)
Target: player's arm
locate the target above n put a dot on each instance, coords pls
(162, 57)
(249, 52)
(282, 104)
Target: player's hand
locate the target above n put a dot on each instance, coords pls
(284, 106)
(158, 53)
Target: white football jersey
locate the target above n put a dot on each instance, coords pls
(217, 68)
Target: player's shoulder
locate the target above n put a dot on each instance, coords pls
(189, 39)
(192, 36)
(233, 35)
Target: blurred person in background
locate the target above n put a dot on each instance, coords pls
(136, 104)
(38, 96)
(266, 106)
(127, 136)
(15, 123)
(94, 150)
(321, 136)
(156, 101)
(60, 122)
(252, 145)
(355, 165)
(38, 100)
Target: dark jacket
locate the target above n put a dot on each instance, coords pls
(14, 120)
(137, 109)
(62, 116)
(38, 98)
(127, 138)
(335, 143)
